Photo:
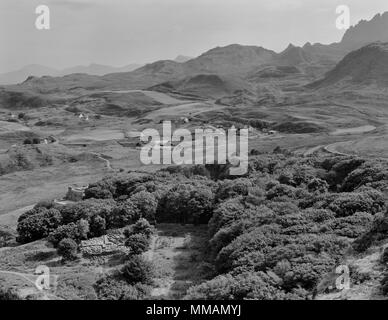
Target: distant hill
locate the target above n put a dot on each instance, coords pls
(247, 63)
(182, 59)
(294, 56)
(233, 59)
(19, 76)
(37, 70)
(203, 85)
(99, 70)
(368, 65)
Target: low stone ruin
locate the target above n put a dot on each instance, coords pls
(108, 244)
(75, 194)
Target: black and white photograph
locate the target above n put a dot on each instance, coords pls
(192, 151)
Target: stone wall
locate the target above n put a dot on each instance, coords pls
(75, 194)
(108, 244)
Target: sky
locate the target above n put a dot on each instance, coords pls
(121, 32)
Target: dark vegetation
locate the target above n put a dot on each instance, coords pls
(134, 280)
(8, 295)
(21, 100)
(272, 234)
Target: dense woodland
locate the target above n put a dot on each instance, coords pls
(273, 234)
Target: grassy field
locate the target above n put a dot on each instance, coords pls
(179, 255)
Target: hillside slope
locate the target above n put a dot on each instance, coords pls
(366, 66)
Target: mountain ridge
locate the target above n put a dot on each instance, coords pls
(37, 70)
(365, 66)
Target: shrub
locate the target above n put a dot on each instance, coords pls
(123, 215)
(142, 226)
(46, 204)
(38, 226)
(97, 226)
(8, 295)
(233, 188)
(256, 286)
(137, 270)
(67, 248)
(115, 288)
(318, 215)
(137, 243)
(384, 256)
(317, 185)
(366, 173)
(347, 204)
(186, 203)
(225, 214)
(351, 226)
(74, 231)
(384, 285)
(340, 169)
(87, 209)
(146, 203)
(104, 189)
(280, 190)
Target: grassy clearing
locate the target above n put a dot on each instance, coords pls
(179, 255)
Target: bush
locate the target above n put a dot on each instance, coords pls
(226, 213)
(115, 288)
(317, 185)
(384, 285)
(351, 226)
(366, 173)
(256, 286)
(67, 248)
(8, 295)
(97, 226)
(137, 243)
(281, 190)
(74, 231)
(186, 203)
(38, 226)
(137, 270)
(233, 188)
(87, 209)
(122, 215)
(347, 204)
(104, 189)
(46, 204)
(384, 256)
(142, 226)
(146, 203)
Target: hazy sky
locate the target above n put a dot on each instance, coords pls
(120, 32)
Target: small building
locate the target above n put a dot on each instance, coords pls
(75, 194)
(272, 132)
